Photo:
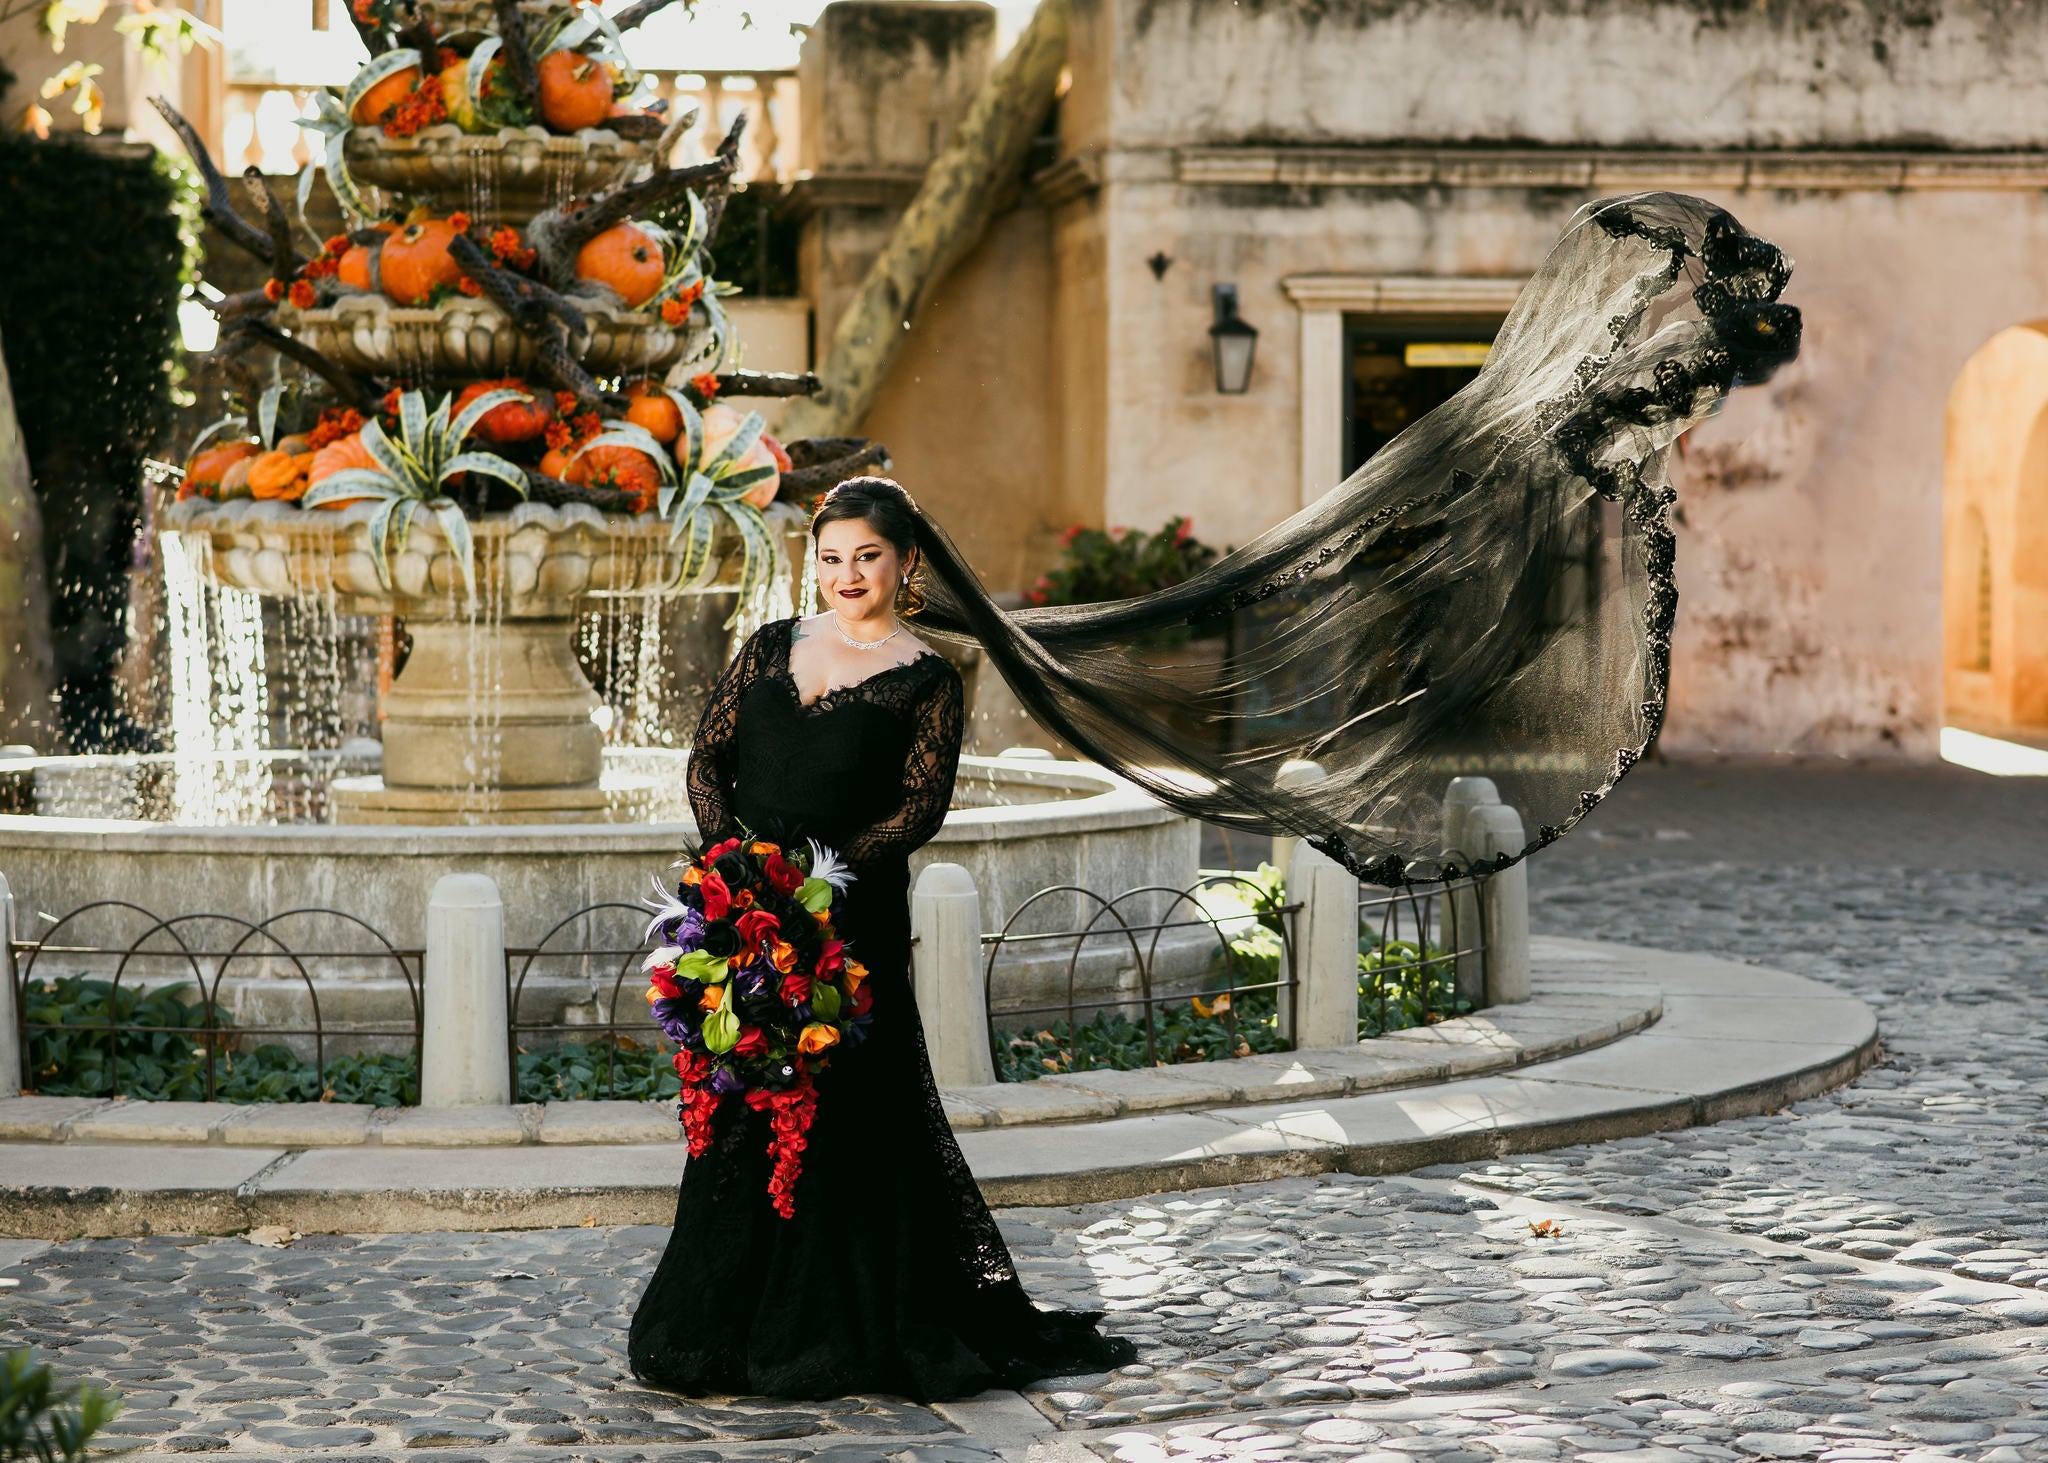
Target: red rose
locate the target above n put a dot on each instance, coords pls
(795, 988)
(832, 957)
(756, 925)
(664, 987)
(784, 876)
(862, 1000)
(717, 898)
(718, 851)
(753, 1042)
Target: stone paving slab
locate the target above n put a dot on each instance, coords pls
(42, 1119)
(303, 1125)
(454, 1127)
(610, 1122)
(156, 1122)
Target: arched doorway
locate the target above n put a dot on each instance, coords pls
(1995, 538)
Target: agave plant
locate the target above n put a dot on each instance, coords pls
(412, 474)
(692, 503)
(687, 277)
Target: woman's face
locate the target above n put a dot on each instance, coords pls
(858, 570)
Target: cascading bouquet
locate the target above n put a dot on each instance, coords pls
(755, 989)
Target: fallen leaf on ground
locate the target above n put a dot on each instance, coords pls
(271, 1236)
(1547, 1228)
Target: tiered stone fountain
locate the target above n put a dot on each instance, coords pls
(490, 719)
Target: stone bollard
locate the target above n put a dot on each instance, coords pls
(10, 1010)
(1294, 772)
(463, 1048)
(1462, 924)
(1504, 905)
(1325, 1004)
(952, 1000)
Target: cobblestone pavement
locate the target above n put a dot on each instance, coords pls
(1859, 1278)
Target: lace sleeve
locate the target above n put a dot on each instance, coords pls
(927, 776)
(710, 771)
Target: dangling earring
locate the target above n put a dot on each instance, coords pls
(909, 598)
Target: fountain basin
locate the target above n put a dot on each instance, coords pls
(503, 177)
(468, 337)
(1017, 825)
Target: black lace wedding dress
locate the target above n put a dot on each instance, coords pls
(891, 1277)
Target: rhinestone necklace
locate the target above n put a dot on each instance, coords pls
(864, 644)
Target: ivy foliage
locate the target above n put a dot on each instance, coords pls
(43, 1421)
(99, 242)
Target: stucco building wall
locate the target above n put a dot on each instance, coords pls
(1322, 156)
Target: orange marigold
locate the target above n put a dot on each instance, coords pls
(337, 246)
(589, 424)
(302, 295)
(273, 290)
(557, 434)
(705, 385)
(674, 312)
(566, 403)
(459, 221)
(470, 286)
(335, 423)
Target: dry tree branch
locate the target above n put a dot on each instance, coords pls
(361, 392)
(284, 260)
(766, 383)
(219, 207)
(715, 197)
(543, 489)
(518, 53)
(636, 13)
(560, 232)
(541, 315)
(819, 476)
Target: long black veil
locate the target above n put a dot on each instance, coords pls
(1490, 594)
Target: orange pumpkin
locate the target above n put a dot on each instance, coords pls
(626, 257)
(279, 474)
(353, 268)
(381, 99)
(340, 455)
(203, 473)
(515, 421)
(415, 262)
(234, 483)
(336, 456)
(575, 91)
(626, 468)
(651, 407)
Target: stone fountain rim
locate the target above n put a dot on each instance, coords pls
(1115, 803)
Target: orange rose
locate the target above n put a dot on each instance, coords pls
(782, 955)
(855, 974)
(816, 1038)
(711, 999)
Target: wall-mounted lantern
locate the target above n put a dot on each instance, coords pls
(1233, 341)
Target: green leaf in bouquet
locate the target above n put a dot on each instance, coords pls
(814, 895)
(722, 1029)
(703, 966)
(824, 1001)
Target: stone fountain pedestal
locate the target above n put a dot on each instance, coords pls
(490, 720)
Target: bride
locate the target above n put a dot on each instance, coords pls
(1493, 593)
(891, 1276)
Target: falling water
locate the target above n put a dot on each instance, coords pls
(220, 719)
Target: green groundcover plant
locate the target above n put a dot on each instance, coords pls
(158, 1052)
(1401, 984)
(41, 1420)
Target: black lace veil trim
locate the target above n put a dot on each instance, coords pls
(1491, 594)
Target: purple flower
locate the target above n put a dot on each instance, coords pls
(726, 1081)
(689, 930)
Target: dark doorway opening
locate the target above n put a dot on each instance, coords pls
(1401, 368)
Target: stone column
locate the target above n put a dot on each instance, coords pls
(465, 1048)
(1504, 905)
(1325, 1003)
(952, 1000)
(1293, 773)
(10, 1011)
(884, 82)
(1462, 922)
